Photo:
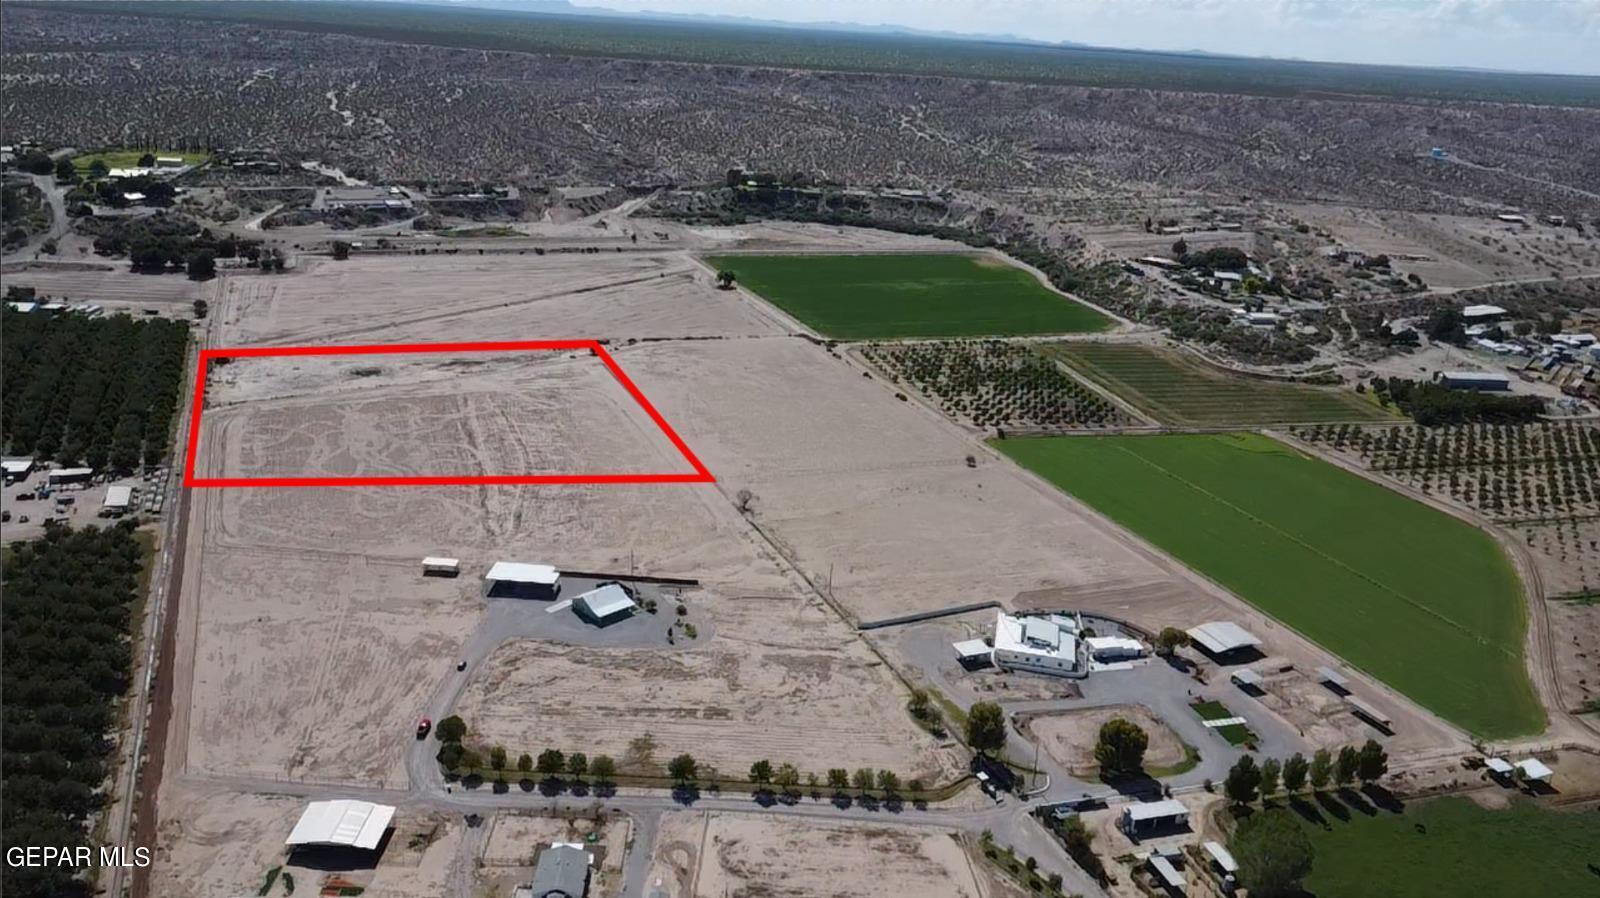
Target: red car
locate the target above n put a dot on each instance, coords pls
(423, 726)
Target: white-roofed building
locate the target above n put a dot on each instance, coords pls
(1499, 766)
(1221, 637)
(1148, 815)
(523, 581)
(1222, 857)
(1168, 874)
(343, 824)
(1248, 679)
(118, 498)
(1113, 648)
(439, 566)
(1534, 770)
(1369, 711)
(605, 605)
(1482, 312)
(22, 306)
(69, 475)
(973, 652)
(1036, 644)
(16, 468)
(1333, 679)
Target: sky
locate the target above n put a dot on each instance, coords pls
(1561, 36)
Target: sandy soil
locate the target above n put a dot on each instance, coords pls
(1575, 629)
(713, 855)
(847, 478)
(782, 679)
(217, 844)
(542, 412)
(1070, 737)
(111, 284)
(493, 297)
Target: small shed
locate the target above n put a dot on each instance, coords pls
(438, 566)
(1164, 871)
(1499, 766)
(1334, 680)
(1247, 678)
(1369, 711)
(1114, 648)
(973, 652)
(1222, 857)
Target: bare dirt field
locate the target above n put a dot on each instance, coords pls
(1069, 737)
(1575, 626)
(536, 412)
(381, 299)
(711, 855)
(782, 679)
(847, 478)
(219, 844)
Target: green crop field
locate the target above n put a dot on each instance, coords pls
(1451, 846)
(1175, 389)
(130, 158)
(875, 297)
(1421, 600)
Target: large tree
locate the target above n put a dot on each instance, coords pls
(1372, 762)
(1294, 773)
(1120, 749)
(1243, 781)
(986, 728)
(683, 768)
(1274, 854)
(1321, 770)
(1346, 765)
(1271, 771)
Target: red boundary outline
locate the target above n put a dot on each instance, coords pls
(700, 475)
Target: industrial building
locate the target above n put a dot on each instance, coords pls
(1480, 313)
(1475, 380)
(1223, 639)
(562, 871)
(16, 468)
(1047, 645)
(342, 824)
(61, 476)
(514, 579)
(605, 605)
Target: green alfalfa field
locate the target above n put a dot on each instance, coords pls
(1425, 602)
(891, 296)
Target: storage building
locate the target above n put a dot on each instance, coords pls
(1221, 638)
(1475, 380)
(1148, 815)
(342, 824)
(514, 579)
(436, 566)
(118, 498)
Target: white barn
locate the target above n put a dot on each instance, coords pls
(605, 605)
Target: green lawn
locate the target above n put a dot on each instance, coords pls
(871, 297)
(1176, 389)
(1423, 601)
(1235, 733)
(130, 158)
(1450, 846)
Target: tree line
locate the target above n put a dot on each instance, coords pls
(1435, 405)
(96, 391)
(67, 660)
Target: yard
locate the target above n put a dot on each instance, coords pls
(865, 297)
(1421, 600)
(1176, 389)
(1235, 733)
(1451, 846)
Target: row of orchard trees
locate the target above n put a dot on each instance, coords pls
(67, 659)
(96, 391)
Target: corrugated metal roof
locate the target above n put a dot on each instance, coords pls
(607, 600)
(360, 824)
(518, 572)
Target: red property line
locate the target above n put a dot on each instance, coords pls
(700, 474)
